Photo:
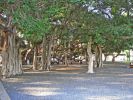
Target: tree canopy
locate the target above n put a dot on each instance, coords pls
(107, 23)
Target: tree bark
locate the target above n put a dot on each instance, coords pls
(100, 57)
(5, 55)
(113, 59)
(96, 57)
(90, 57)
(11, 51)
(106, 55)
(10, 54)
(44, 47)
(35, 59)
(86, 56)
(48, 65)
(65, 53)
(4, 64)
(10, 61)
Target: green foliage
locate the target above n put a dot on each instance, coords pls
(78, 1)
(11, 1)
(35, 19)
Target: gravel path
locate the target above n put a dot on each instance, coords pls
(108, 83)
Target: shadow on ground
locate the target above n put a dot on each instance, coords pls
(73, 83)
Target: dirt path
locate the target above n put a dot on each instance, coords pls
(108, 83)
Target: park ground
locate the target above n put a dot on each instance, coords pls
(112, 82)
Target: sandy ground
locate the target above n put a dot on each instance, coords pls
(113, 82)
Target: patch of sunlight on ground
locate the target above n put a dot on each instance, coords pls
(116, 83)
(78, 78)
(40, 91)
(82, 88)
(14, 80)
(109, 97)
(68, 68)
(39, 83)
(126, 75)
(104, 98)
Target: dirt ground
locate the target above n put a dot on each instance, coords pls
(112, 82)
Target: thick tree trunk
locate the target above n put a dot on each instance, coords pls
(18, 60)
(35, 59)
(48, 65)
(10, 51)
(14, 56)
(44, 47)
(11, 63)
(90, 57)
(4, 63)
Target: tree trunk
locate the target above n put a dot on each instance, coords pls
(113, 59)
(129, 56)
(86, 56)
(5, 55)
(35, 58)
(19, 62)
(65, 53)
(11, 51)
(96, 57)
(90, 57)
(44, 47)
(106, 55)
(4, 64)
(48, 65)
(100, 57)
(10, 56)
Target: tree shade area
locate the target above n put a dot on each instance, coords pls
(46, 32)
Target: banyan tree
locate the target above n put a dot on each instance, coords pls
(9, 47)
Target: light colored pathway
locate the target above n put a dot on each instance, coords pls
(107, 83)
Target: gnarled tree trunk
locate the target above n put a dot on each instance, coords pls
(15, 67)
(10, 50)
(90, 57)
(10, 53)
